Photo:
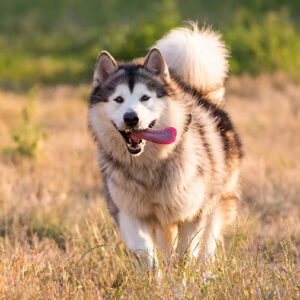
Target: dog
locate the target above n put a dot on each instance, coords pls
(168, 152)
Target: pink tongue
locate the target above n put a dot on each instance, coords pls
(158, 136)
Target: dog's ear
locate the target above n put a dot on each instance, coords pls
(105, 67)
(155, 63)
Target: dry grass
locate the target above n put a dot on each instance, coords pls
(52, 209)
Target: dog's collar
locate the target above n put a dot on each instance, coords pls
(187, 123)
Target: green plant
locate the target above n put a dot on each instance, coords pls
(53, 47)
(264, 45)
(28, 134)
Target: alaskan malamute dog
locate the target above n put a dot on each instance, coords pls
(168, 151)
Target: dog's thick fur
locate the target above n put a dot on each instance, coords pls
(169, 196)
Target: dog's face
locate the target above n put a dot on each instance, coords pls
(128, 99)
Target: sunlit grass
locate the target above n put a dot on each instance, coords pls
(57, 240)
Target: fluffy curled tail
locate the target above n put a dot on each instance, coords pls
(198, 57)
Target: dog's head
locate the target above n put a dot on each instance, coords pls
(129, 101)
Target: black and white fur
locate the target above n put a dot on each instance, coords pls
(168, 196)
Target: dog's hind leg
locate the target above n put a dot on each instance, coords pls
(189, 238)
(211, 234)
(137, 236)
(197, 238)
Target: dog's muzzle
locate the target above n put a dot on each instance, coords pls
(134, 144)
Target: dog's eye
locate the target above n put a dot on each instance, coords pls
(145, 98)
(119, 99)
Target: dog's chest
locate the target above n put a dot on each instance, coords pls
(167, 197)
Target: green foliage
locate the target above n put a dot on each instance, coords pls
(28, 134)
(269, 44)
(57, 41)
(136, 42)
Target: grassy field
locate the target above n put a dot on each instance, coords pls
(52, 210)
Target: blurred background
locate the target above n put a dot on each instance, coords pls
(57, 41)
(52, 208)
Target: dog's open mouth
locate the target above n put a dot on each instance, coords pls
(135, 139)
(134, 145)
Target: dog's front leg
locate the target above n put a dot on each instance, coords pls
(166, 239)
(136, 235)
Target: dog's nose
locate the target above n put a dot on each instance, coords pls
(131, 118)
